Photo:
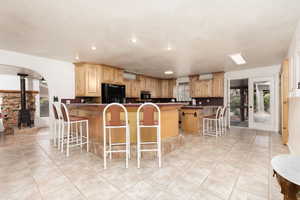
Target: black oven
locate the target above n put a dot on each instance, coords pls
(112, 93)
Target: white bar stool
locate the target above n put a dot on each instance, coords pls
(223, 121)
(212, 124)
(115, 122)
(72, 138)
(148, 121)
(56, 125)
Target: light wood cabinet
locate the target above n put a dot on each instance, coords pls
(167, 87)
(218, 85)
(207, 88)
(112, 75)
(191, 121)
(132, 88)
(285, 101)
(88, 80)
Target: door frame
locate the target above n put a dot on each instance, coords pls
(269, 71)
(228, 102)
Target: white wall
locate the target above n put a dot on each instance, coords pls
(58, 74)
(260, 72)
(294, 93)
(12, 82)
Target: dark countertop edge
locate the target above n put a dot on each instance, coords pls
(192, 107)
(198, 107)
(126, 105)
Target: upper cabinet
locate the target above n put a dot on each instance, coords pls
(132, 88)
(167, 87)
(112, 75)
(88, 79)
(218, 84)
(207, 88)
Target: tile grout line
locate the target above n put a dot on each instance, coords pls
(53, 161)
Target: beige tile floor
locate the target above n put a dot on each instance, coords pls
(233, 167)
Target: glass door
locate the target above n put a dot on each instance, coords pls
(238, 102)
(261, 103)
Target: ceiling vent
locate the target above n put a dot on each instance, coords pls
(129, 76)
(205, 77)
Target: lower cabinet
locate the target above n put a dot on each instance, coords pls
(191, 121)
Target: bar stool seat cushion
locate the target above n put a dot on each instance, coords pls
(116, 123)
(209, 116)
(153, 123)
(77, 118)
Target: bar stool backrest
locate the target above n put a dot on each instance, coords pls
(223, 112)
(148, 110)
(55, 112)
(115, 110)
(218, 113)
(64, 112)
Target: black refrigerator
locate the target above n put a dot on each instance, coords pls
(112, 93)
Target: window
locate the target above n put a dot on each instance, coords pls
(183, 92)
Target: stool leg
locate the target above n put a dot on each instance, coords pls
(127, 145)
(57, 140)
(54, 136)
(76, 131)
(87, 136)
(81, 138)
(159, 146)
(104, 147)
(68, 139)
(110, 149)
(62, 137)
(138, 147)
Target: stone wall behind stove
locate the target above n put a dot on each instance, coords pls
(11, 104)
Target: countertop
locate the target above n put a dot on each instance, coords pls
(197, 107)
(125, 104)
(287, 166)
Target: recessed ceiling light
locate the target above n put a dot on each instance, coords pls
(93, 47)
(169, 48)
(238, 59)
(133, 40)
(169, 72)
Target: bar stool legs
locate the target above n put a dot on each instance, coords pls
(148, 121)
(115, 122)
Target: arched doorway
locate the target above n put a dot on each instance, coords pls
(37, 97)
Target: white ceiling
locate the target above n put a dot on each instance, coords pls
(202, 33)
(13, 70)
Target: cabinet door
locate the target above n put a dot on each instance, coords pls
(218, 85)
(107, 74)
(285, 101)
(128, 88)
(118, 76)
(171, 87)
(80, 81)
(135, 88)
(92, 87)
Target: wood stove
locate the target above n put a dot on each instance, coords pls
(24, 116)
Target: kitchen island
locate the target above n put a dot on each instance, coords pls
(170, 136)
(191, 118)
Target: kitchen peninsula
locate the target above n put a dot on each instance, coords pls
(169, 126)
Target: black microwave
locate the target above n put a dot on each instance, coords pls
(145, 95)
